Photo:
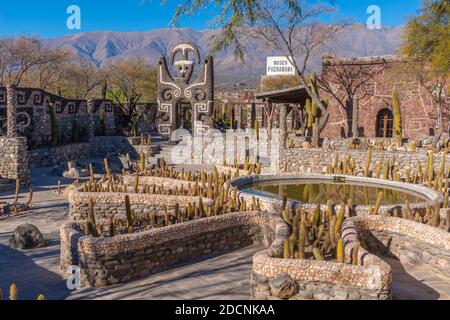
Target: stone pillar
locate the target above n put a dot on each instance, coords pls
(91, 119)
(11, 121)
(14, 159)
(283, 128)
(355, 106)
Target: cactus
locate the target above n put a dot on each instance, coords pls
(355, 252)
(397, 118)
(108, 171)
(142, 162)
(13, 292)
(436, 216)
(340, 219)
(102, 116)
(378, 203)
(136, 184)
(17, 192)
(53, 125)
(302, 239)
(128, 214)
(317, 254)
(286, 249)
(92, 226)
(340, 251)
(91, 172)
(368, 160)
(40, 297)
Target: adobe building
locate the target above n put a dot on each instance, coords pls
(378, 78)
(373, 80)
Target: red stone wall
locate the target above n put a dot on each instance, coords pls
(417, 109)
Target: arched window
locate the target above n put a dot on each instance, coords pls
(385, 123)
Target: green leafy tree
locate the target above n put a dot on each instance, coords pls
(427, 45)
(129, 83)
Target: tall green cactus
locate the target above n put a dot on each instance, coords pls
(53, 125)
(102, 117)
(142, 162)
(128, 214)
(397, 118)
(92, 225)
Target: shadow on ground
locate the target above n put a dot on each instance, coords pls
(28, 270)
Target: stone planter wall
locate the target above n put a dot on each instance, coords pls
(294, 279)
(316, 161)
(14, 159)
(106, 205)
(97, 147)
(410, 242)
(105, 261)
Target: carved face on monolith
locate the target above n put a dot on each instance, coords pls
(184, 66)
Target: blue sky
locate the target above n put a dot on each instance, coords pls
(47, 18)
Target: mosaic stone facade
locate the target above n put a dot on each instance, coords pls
(33, 118)
(173, 90)
(105, 261)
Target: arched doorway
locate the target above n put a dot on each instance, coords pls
(384, 123)
(184, 115)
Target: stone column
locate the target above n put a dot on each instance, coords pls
(355, 106)
(283, 128)
(11, 121)
(91, 119)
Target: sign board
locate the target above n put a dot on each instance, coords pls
(279, 66)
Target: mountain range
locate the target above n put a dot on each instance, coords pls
(102, 47)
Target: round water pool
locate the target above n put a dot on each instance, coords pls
(312, 189)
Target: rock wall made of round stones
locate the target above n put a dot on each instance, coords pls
(106, 205)
(105, 261)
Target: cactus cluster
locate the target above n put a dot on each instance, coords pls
(317, 234)
(14, 293)
(201, 184)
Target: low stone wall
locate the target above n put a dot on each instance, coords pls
(14, 159)
(105, 261)
(106, 205)
(166, 183)
(322, 280)
(97, 147)
(315, 161)
(410, 242)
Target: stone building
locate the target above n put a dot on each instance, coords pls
(383, 75)
(373, 81)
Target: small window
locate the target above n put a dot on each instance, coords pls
(385, 123)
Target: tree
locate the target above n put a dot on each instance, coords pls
(48, 76)
(17, 57)
(427, 45)
(344, 81)
(80, 79)
(287, 26)
(130, 82)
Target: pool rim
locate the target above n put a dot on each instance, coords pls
(429, 195)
